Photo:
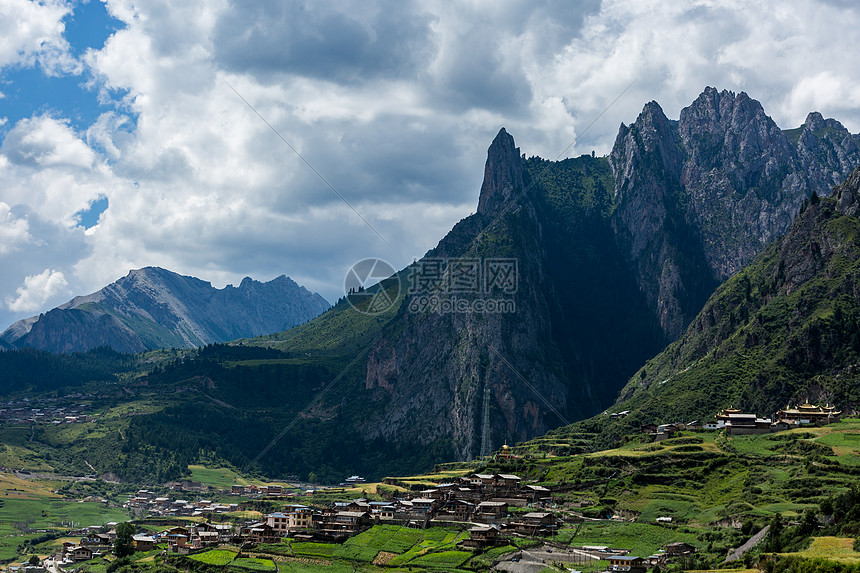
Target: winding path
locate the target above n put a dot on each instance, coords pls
(751, 542)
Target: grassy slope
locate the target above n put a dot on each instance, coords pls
(783, 329)
(705, 478)
(833, 548)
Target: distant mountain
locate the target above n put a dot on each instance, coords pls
(785, 329)
(156, 308)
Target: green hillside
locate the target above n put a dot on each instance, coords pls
(784, 329)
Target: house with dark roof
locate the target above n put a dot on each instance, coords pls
(459, 509)
(143, 542)
(491, 510)
(81, 553)
(482, 536)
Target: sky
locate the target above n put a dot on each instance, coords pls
(162, 133)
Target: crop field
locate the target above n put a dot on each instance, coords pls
(723, 571)
(442, 559)
(215, 557)
(389, 538)
(12, 485)
(429, 479)
(282, 548)
(41, 512)
(356, 553)
(833, 548)
(433, 548)
(313, 549)
(640, 538)
(376, 488)
(219, 478)
(298, 567)
(761, 445)
(845, 444)
(254, 564)
(486, 559)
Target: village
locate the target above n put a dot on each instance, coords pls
(491, 508)
(46, 411)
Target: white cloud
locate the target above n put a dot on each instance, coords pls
(825, 90)
(46, 166)
(37, 290)
(394, 105)
(31, 31)
(45, 142)
(13, 230)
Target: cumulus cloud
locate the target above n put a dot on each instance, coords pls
(37, 290)
(394, 103)
(45, 142)
(33, 31)
(13, 230)
(46, 166)
(342, 41)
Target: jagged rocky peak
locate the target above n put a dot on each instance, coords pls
(653, 124)
(652, 132)
(503, 173)
(149, 273)
(826, 150)
(722, 128)
(815, 122)
(713, 110)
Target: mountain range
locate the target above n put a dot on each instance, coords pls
(584, 270)
(616, 256)
(156, 308)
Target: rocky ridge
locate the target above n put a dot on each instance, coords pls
(700, 197)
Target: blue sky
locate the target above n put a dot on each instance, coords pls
(29, 90)
(123, 145)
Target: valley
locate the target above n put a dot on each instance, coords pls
(640, 293)
(706, 489)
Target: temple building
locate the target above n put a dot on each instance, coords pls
(809, 414)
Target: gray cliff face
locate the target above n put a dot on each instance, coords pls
(649, 223)
(743, 178)
(155, 308)
(438, 369)
(698, 199)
